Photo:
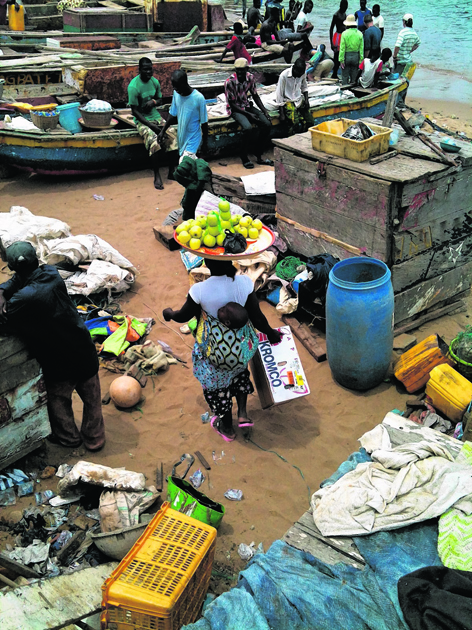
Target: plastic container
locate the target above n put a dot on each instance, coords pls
(450, 392)
(359, 322)
(301, 277)
(327, 137)
(162, 582)
(16, 19)
(414, 366)
(457, 363)
(69, 117)
(183, 497)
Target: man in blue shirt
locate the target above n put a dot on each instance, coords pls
(360, 15)
(372, 39)
(188, 110)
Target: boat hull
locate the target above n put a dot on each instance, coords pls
(118, 151)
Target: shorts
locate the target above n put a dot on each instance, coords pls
(275, 48)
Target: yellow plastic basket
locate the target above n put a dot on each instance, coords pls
(162, 582)
(327, 137)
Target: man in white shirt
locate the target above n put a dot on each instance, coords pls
(378, 19)
(302, 23)
(291, 98)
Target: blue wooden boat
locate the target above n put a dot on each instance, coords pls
(61, 153)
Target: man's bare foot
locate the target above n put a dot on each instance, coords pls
(158, 185)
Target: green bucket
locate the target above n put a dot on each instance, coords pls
(183, 498)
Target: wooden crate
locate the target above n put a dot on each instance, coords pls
(105, 20)
(412, 211)
(24, 420)
(232, 188)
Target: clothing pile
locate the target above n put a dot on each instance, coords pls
(86, 263)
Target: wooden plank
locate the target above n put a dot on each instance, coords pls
(22, 399)
(428, 293)
(55, 602)
(402, 170)
(27, 431)
(299, 538)
(9, 345)
(16, 567)
(431, 263)
(302, 241)
(312, 341)
(340, 191)
(371, 240)
(423, 202)
(19, 374)
(387, 119)
(404, 431)
(427, 317)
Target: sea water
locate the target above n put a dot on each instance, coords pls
(444, 58)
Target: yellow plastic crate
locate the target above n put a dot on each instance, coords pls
(327, 137)
(162, 582)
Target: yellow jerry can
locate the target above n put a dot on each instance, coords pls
(449, 391)
(16, 19)
(414, 366)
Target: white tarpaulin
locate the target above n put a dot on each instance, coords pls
(104, 266)
(259, 183)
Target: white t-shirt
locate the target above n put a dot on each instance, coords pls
(379, 21)
(301, 20)
(217, 291)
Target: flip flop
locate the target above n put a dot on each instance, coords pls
(248, 164)
(266, 162)
(226, 438)
(247, 423)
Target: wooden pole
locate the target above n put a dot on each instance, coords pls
(387, 119)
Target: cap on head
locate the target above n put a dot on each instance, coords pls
(408, 17)
(242, 62)
(350, 20)
(21, 256)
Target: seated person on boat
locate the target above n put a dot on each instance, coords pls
(292, 98)
(236, 44)
(370, 72)
(268, 32)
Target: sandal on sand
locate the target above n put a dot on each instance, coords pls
(215, 425)
(266, 162)
(246, 423)
(248, 164)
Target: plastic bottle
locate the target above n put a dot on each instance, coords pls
(393, 138)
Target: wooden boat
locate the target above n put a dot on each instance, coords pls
(60, 153)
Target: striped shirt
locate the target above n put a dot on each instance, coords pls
(406, 40)
(237, 93)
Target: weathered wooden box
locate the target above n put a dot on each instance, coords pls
(104, 20)
(24, 420)
(412, 211)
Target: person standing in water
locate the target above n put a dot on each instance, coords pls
(407, 42)
(335, 35)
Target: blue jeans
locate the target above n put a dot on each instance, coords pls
(256, 141)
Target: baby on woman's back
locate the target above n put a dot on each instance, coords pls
(233, 315)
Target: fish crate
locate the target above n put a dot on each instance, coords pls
(327, 137)
(162, 582)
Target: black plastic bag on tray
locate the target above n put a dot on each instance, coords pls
(234, 243)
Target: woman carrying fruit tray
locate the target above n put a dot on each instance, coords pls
(221, 354)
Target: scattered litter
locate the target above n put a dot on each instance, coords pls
(7, 497)
(205, 419)
(61, 539)
(122, 509)
(35, 553)
(26, 488)
(95, 514)
(17, 476)
(458, 432)
(99, 198)
(191, 261)
(197, 478)
(54, 518)
(57, 501)
(185, 330)
(234, 495)
(216, 458)
(48, 472)
(5, 482)
(43, 497)
(246, 552)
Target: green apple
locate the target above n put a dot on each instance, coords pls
(220, 239)
(209, 240)
(183, 237)
(253, 233)
(235, 219)
(202, 222)
(226, 225)
(182, 227)
(257, 224)
(214, 230)
(195, 243)
(224, 206)
(212, 219)
(245, 221)
(195, 231)
(225, 216)
(242, 230)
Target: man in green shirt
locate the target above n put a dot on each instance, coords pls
(351, 50)
(144, 95)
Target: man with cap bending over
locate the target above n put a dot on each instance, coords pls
(243, 111)
(34, 304)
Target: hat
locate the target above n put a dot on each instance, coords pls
(242, 62)
(21, 255)
(407, 16)
(350, 20)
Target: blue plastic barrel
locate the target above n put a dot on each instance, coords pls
(69, 117)
(359, 322)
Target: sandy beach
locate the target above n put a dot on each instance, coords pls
(294, 446)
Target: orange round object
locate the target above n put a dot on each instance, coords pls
(125, 391)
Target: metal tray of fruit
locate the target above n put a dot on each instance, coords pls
(194, 231)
